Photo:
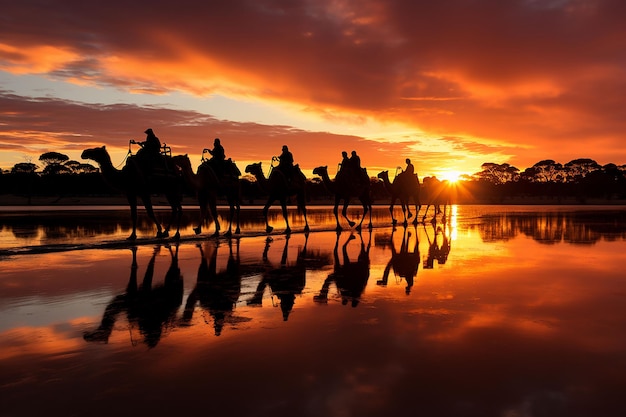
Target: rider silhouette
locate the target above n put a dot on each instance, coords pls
(285, 162)
(218, 151)
(355, 161)
(410, 170)
(218, 157)
(149, 156)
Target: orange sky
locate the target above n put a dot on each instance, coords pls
(450, 84)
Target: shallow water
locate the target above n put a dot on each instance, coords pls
(499, 310)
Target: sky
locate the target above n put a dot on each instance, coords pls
(450, 84)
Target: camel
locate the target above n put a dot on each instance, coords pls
(403, 188)
(279, 188)
(437, 193)
(404, 263)
(132, 182)
(344, 187)
(208, 187)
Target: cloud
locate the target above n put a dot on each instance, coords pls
(547, 76)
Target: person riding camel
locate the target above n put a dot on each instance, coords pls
(149, 156)
(355, 162)
(285, 163)
(410, 169)
(218, 157)
(345, 162)
(218, 151)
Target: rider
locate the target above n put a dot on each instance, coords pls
(218, 151)
(410, 170)
(355, 162)
(149, 156)
(217, 157)
(345, 161)
(285, 162)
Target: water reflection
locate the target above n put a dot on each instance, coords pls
(495, 327)
(150, 309)
(349, 277)
(216, 292)
(584, 227)
(439, 245)
(405, 262)
(288, 279)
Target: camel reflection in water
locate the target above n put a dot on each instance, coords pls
(216, 292)
(287, 280)
(439, 246)
(350, 277)
(404, 263)
(152, 309)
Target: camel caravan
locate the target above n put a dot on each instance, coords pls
(152, 170)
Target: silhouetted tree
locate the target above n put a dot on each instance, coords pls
(579, 168)
(52, 158)
(24, 168)
(497, 173)
(548, 171)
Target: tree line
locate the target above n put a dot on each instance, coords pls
(580, 179)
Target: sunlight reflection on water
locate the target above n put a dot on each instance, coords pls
(493, 311)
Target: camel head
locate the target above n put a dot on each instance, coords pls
(321, 170)
(181, 162)
(383, 175)
(254, 169)
(99, 155)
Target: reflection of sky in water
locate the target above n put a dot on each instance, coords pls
(523, 317)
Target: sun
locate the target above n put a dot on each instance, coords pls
(451, 176)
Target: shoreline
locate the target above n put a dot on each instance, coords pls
(14, 200)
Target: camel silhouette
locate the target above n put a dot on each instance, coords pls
(151, 308)
(133, 183)
(217, 292)
(436, 193)
(208, 186)
(404, 263)
(279, 188)
(350, 278)
(404, 188)
(344, 187)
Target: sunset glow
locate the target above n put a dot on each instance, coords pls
(368, 76)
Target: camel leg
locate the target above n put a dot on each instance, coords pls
(213, 210)
(176, 215)
(147, 203)
(393, 219)
(266, 208)
(203, 202)
(301, 199)
(231, 213)
(344, 212)
(404, 206)
(132, 201)
(283, 206)
(365, 210)
(237, 211)
(336, 213)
